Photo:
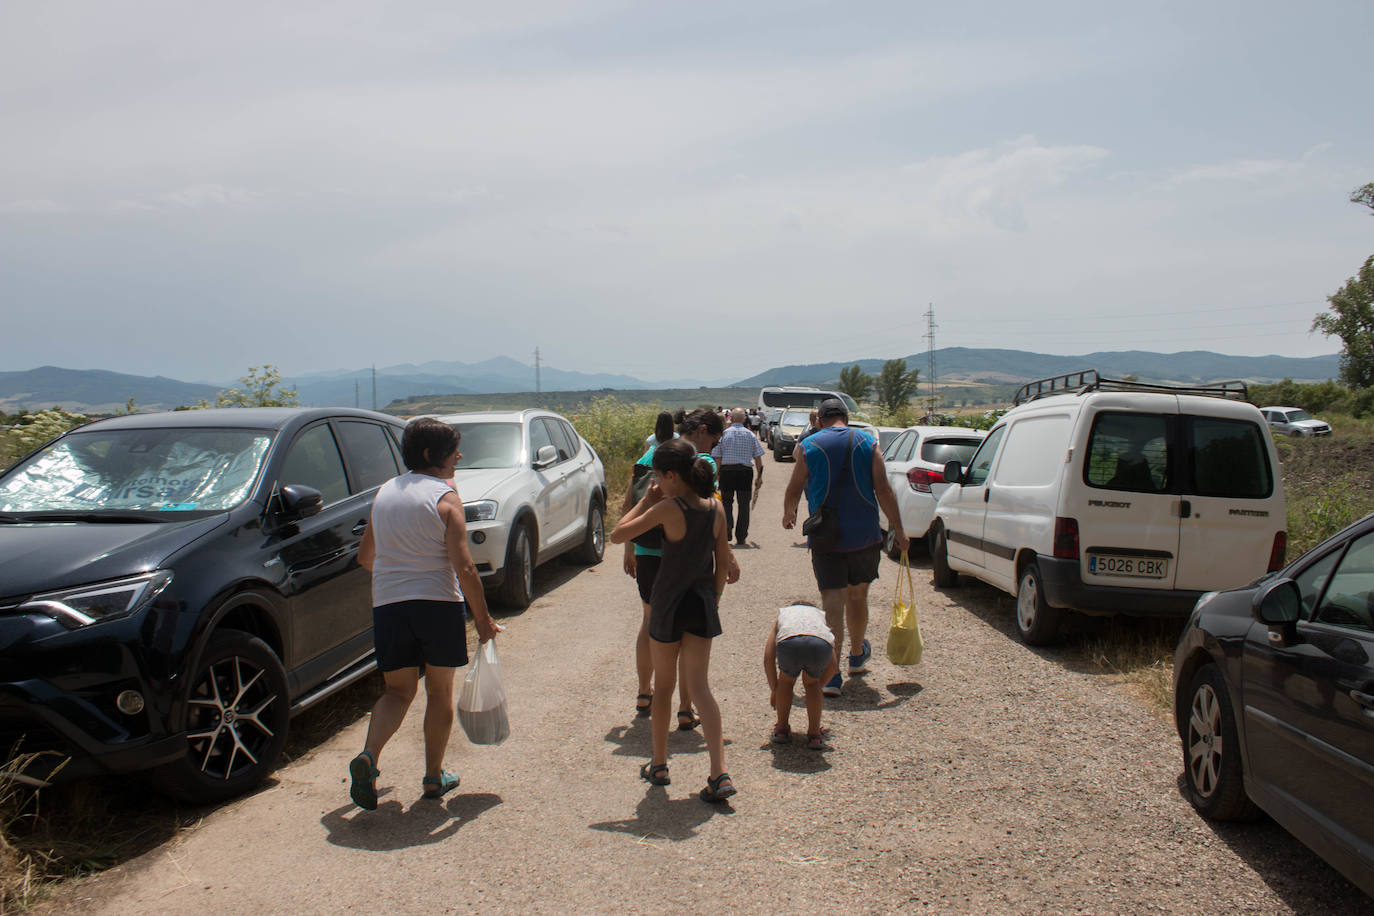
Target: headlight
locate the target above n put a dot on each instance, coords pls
(88, 604)
(480, 510)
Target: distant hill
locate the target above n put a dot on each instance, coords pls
(993, 366)
(94, 390)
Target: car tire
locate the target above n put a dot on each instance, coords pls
(517, 589)
(777, 454)
(594, 540)
(941, 574)
(1212, 768)
(236, 716)
(1036, 621)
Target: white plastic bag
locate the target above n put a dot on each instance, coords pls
(482, 701)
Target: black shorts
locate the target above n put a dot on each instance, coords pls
(690, 616)
(646, 571)
(409, 634)
(841, 568)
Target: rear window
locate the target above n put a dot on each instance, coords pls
(1129, 451)
(1229, 459)
(943, 451)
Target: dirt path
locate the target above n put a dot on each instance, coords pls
(990, 778)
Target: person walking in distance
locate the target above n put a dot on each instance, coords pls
(684, 616)
(740, 457)
(841, 472)
(416, 547)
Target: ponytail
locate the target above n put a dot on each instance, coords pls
(702, 478)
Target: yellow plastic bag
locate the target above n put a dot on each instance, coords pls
(904, 644)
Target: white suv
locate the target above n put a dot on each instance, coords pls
(532, 489)
(1108, 496)
(1294, 421)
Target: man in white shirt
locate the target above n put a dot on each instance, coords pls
(739, 455)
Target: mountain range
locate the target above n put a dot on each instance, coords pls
(101, 391)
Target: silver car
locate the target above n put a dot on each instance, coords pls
(1294, 421)
(532, 489)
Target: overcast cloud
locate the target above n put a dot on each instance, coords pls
(672, 190)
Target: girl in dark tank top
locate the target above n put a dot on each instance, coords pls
(684, 613)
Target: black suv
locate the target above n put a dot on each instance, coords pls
(174, 587)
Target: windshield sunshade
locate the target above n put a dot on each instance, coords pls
(146, 470)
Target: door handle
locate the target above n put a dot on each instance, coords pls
(987, 492)
(360, 527)
(1364, 699)
(1185, 509)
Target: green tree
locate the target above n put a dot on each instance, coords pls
(262, 387)
(1363, 195)
(855, 382)
(894, 385)
(1351, 318)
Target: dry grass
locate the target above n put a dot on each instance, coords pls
(1137, 654)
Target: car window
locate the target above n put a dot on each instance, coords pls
(1312, 579)
(1128, 451)
(1034, 453)
(539, 437)
(314, 461)
(1349, 599)
(171, 470)
(1229, 459)
(982, 461)
(943, 451)
(488, 445)
(899, 445)
(564, 438)
(369, 453)
(1298, 416)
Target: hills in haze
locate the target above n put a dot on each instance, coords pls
(100, 391)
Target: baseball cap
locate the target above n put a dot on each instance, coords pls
(832, 407)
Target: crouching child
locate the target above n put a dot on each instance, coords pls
(799, 645)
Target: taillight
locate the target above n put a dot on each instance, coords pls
(921, 479)
(1066, 538)
(1280, 549)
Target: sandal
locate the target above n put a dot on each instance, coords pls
(815, 741)
(656, 773)
(439, 786)
(714, 792)
(647, 708)
(782, 734)
(687, 720)
(363, 770)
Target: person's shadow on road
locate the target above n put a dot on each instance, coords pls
(859, 697)
(393, 826)
(636, 740)
(657, 815)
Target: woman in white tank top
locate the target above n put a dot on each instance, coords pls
(422, 579)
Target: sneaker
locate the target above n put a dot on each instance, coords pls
(857, 663)
(832, 687)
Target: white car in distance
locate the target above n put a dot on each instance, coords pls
(915, 462)
(532, 489)
(1294, 421)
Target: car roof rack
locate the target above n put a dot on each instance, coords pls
(1087, 380)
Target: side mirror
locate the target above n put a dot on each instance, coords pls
(1278, 603)
(546, 456)
(299, 501)
(953, 472)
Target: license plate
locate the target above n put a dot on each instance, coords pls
(1132, 567)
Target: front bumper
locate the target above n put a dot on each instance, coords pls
(487, 545)
(1064, 587)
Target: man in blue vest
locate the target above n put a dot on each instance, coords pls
(842, 470)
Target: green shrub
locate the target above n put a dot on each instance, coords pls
(34, 429)
(617, 431)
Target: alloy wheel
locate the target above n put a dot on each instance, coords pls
(1205, 745)
(229, 710)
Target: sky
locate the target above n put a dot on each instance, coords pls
(672, 190)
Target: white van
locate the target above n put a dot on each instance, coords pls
(1108, 496)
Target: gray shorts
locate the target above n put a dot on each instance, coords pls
(804, 653)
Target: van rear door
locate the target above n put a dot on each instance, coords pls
(1125, 495)
(1233, 502)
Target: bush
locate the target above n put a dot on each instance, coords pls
(33, 430)
(617, 431)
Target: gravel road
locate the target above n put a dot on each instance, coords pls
(990, 778)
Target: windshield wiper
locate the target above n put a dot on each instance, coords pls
(90, 517)
(8, 519)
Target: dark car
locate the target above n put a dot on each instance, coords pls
(175, 586)
(1274, 701)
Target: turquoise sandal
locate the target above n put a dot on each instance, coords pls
(363, 771)
(438, 787)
